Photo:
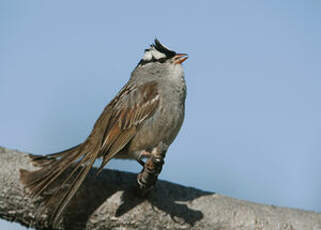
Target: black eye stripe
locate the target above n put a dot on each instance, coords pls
(143, 62)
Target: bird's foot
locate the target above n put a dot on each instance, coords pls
(147, 178)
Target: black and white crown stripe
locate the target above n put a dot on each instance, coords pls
(156, 53)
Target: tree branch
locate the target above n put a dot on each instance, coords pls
(108, 201)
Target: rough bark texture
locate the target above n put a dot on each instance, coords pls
(108, 201)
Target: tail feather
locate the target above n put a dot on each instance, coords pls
(52, 174)
(77, 181)
(39, 180)
(53, 167)
(41, 161)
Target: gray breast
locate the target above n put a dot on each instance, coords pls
(167, 120)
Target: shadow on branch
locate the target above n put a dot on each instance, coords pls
(165, 197)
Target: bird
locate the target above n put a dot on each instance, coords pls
(141, 121)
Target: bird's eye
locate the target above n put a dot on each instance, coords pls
(162, 60)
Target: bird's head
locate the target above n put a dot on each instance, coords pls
(157, 52)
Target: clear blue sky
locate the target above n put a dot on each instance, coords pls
(252, 128)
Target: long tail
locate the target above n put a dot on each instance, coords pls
(81, 157)
(41, 161)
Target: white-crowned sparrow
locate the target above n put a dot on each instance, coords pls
(141, 121)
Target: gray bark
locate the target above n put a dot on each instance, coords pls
(108, 201)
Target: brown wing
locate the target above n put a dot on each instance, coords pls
(124, 114)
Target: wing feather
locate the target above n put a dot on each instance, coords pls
(129, 109)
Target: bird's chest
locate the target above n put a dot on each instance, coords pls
(169, 117)
(164, 124)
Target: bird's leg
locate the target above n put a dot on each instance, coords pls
(147, 178)
(143, 154)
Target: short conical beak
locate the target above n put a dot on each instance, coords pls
(180, 58)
